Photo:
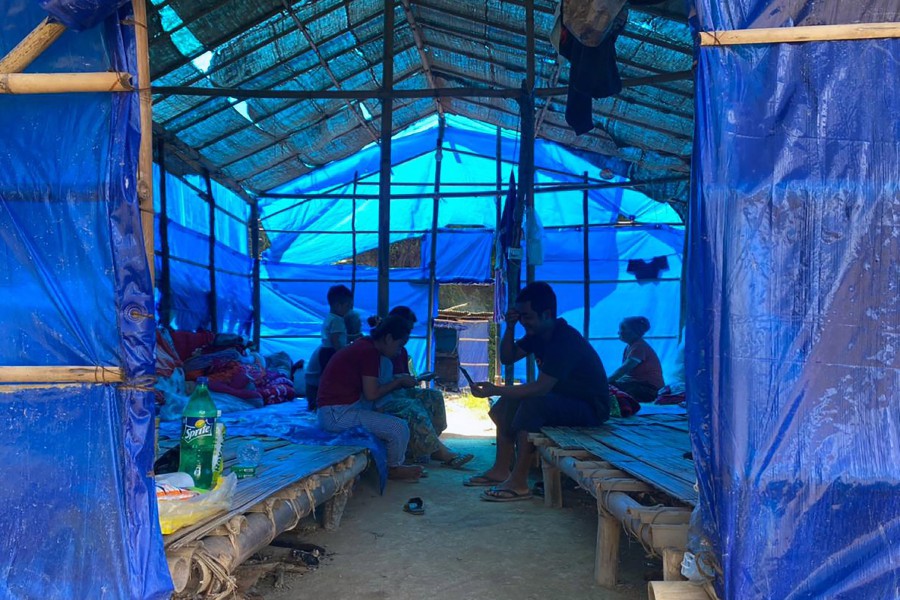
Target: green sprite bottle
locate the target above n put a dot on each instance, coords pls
(198, 436)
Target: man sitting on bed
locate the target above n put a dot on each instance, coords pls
(571, 390)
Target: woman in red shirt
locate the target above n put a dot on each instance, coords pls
(640, 375)
(349, 386)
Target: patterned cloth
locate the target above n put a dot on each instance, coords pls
(422, 409)
(424, 412)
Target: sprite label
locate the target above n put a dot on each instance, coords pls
(194, 430)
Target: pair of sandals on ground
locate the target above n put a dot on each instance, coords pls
(494, 493)
(416, 472)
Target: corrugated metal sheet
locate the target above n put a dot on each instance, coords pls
(263, 45)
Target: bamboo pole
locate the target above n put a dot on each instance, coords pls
(213, 290)
(165, 273)
(808, 33)
(61, 375)
(432, 263)
(353, 233)
(586, 259)
(40, 38)
(398, 94)
(254, 253)
(526, 164)
(221, 554)
(503, 373)
(64, 83)
(384, 179)
(145, 156)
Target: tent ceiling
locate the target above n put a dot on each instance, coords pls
(260, 144)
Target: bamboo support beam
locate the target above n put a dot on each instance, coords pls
(145, 154)
(61, 375)
(809, 33)
(384, 177)
(40, 38)
(64, 83)
(419, 39)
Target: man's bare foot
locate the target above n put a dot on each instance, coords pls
(405, 472)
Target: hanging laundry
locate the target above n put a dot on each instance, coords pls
(590, 21)
(593, 73)
(645, 270)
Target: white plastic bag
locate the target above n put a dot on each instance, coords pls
(175, 514)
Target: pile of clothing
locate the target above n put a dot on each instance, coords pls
(238, 378)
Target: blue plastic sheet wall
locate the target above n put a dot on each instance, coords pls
(79, 518)
(188, 258)
(473, 351)
(294, 304)
(309, 236)
(792, 332)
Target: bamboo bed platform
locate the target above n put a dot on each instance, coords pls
(291, 481)
(641, 473)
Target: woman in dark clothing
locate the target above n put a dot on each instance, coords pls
(640, 375)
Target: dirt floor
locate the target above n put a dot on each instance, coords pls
(462, 547)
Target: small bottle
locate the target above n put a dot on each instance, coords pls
(198, 436)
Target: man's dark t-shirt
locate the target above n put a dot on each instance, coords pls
(573, 362)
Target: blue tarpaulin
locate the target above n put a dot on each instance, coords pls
(794, 314)
(79, 511)
(310, 236)
(188, 229)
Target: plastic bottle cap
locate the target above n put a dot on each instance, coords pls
(202, 380)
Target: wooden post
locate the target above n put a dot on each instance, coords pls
(607, 556)
(213, 292)
(526, 161)
(384, 181)
(145, 154)
(353, 233)
(585, 209)
(254, 251)
(334, 510)
(165, 273)
(672, 558)
(32, 46)
(432, 265)
(552, 484)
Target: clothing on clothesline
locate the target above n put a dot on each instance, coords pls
(646, 270)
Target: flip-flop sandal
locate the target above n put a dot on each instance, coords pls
(480, 481)
(504, 495)
(458, 461)
(414, 506)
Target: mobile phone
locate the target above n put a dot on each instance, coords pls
(427, 376)
(466, 375)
